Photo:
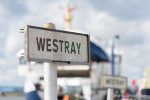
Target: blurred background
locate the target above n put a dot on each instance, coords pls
(120, 28)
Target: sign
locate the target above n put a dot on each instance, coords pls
(115, 82)
(49, 45)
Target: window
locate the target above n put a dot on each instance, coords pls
(21, 60)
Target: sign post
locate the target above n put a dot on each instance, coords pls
(53, 47)
(50, 75)
(50, 81)
(113, 82)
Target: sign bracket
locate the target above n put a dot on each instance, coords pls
(67, 62)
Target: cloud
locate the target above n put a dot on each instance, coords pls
(15, 9)
(124, 9)
(2, 62)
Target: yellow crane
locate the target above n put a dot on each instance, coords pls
(68, 16)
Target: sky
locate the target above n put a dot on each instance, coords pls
(103, 19)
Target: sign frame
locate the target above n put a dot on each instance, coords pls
(26, 46)
(102, 85)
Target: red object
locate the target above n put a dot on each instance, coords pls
(133, 84)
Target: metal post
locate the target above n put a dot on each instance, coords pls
(113, 54)
(113, 60)
(50, 75)
(109, 90)
(50, 81)
(119, 63)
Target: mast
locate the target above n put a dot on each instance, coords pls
(68, 16)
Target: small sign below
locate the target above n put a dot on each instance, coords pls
(50, 45)
(115, 82)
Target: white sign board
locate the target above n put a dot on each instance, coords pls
(49, 45)
(115, 82)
